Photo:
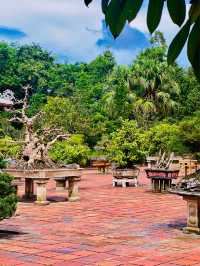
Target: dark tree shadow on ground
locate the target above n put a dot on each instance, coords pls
(9, 234)
(177, 224)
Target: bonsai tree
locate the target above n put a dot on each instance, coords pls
(8, 197)
(37, 142)
(126, 145)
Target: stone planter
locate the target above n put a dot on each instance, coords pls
(41, 178)
(125, 177)
(193, 210)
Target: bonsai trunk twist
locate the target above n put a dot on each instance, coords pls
(36, 144)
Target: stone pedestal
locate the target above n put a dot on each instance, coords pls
(29, 188)
(41, 191)
(73, 189)
(193, 214)
(60, 183)
(125, 177)
(125, 182)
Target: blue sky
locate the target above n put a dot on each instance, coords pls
(74, 32)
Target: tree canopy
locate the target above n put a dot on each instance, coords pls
(99, 101)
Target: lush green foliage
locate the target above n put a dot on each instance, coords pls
(8, 198)
(70, 151)
(102, 101)
(190, 132)
(156, 91)
(165, 137)
(126, 146)
(8, 148)
(131, 144)
(117, 13)
(3, 163)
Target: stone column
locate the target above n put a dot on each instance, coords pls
(123, 181)
(193, 214)
(73, 189)
(60, 183)
(42, 190)
(29, 188)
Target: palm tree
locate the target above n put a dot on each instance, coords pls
(154, 85)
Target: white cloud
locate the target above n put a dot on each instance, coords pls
(62, 26)
(59, 25)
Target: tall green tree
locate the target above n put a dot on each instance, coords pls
(154, 83)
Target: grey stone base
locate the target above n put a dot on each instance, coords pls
(125, 182)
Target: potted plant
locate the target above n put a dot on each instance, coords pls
(125, 151)
(35, 165)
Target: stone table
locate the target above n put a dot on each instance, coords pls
(41, 178)
(193, 209)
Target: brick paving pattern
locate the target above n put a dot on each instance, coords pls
(107, 227)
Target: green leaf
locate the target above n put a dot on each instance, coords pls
(178, 43)
(118, 12)
(87, 2)
(154, 14)
(134, 9)
(104, 5)
(177, 11)
(115, 16)
(194, 12)
(193, 48)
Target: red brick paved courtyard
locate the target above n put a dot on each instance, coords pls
(107, 227)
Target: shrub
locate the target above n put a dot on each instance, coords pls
(2, 162)
(190, 131)
(70, 151)
(165, 137)
(8, 197)
(126, 145)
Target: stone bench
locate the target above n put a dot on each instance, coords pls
(41, 179)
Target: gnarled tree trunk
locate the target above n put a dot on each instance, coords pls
(36, 146)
